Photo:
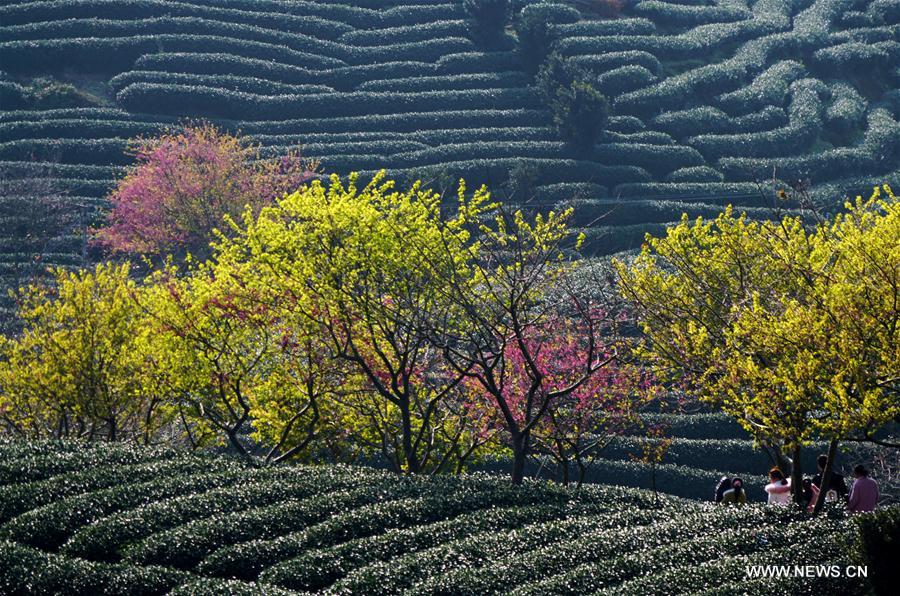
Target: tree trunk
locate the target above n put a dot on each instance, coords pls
(520, 453)
(776, 454)
(409, 454)
(797, 475)
(826, 477)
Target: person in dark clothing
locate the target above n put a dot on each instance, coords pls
(837, 484)
(735, 495)
(723, 485)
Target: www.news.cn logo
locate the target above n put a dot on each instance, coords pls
(792, 571)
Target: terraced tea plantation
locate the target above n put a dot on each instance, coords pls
(112, 519)
(707, 99)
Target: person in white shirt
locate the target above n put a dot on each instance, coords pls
(779, 488)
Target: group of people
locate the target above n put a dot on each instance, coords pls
(862, 496)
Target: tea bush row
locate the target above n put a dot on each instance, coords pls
(709, 120)
(290, 534)
(687, 15)
(19, 498)
(193, 100)
(51, 525)
(25, 570)
(108, 537)
(319, 568)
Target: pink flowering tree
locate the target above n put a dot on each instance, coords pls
(185, 182)
(564, 391)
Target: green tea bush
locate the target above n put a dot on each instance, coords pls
(186, 545)
(848, 58)
(501, 80)
(720, 559)
(847, 108)
(319, 568)
(216, 587)
(770, 87)
(247, 559)
(624, 79)
(13, 96)
(25, 570)
(813, 543)
(876, 544)
(404, 572)
(600, 559)
(87, 151)
(247, 84)
(475, 62)
(696, 174)
(19, 498)
(600, 63)
(76, 127)
(625, 124)
(410, 122)
(409, 33)
(656, 159)
(193, 100)
(261, 14)
(688, 15)
(49, 526)
(44, 459)
(108, 537)
(625, 26)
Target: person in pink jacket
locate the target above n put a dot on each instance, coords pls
(778, 488)
(864, 493)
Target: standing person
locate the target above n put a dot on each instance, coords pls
(735, 495)
(779, 487)
(723, 485)
(836, 487)
(864, 493)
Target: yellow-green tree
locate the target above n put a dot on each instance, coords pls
(341, 258)
(79, 366)
(229, 358)
(790, 328)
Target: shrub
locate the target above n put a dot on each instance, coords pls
(319, 568)
(47, 527)
(659, 557)
(247, 559)
(850, 57)
(184, 546)
(13, 96)
(847, 109)
(769, 88)
(690, 16)
(216, 587)
(580, 112)
(501, 80)
(535, 36)
(405, 571)
(625, 124)
(16, 499)
(695, 174)
(608, 9)
(624, 79)
(627, 26)
(418, 32)
(876, 544)
(107, 538)
(656, 159)
(489, 18)
(600, 63)
(192, 100)
(25, 570)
